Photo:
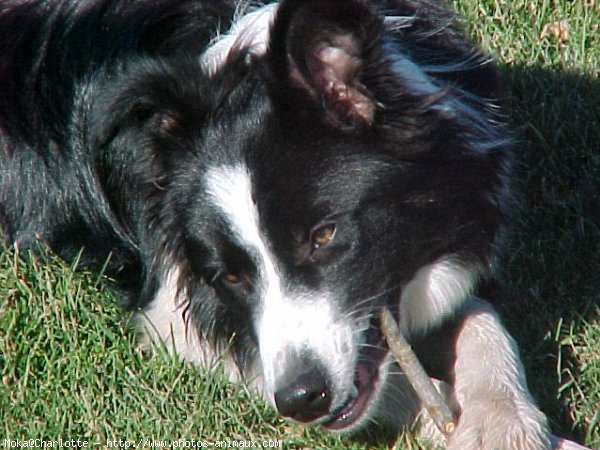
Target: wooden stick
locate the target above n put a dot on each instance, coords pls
(432, 400)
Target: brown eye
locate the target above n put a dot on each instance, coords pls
(231, 278)
(322, 235)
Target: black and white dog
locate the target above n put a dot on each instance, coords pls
(264, 178)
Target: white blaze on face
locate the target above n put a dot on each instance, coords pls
(296, 325)
(288, 323)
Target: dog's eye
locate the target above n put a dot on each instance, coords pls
(322, 235)
(231, 278)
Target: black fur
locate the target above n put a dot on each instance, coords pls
(108, 123)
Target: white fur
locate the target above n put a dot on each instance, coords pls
(435, 292)
(292, 325)
(497, 410)
(231, 190)
(287, 323)
(162, 323)
(565, 444)
(397, 23)
(249, 31)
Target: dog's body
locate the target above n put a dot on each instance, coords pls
(264, 188)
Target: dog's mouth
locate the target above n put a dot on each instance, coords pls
(366, 378)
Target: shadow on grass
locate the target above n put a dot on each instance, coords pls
(552, 266)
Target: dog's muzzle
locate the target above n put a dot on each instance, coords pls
(308, 396)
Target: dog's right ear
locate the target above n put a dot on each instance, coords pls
(324, 57)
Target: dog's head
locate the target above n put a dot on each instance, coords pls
(354, 163)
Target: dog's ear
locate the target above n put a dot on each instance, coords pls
(323, 55)
(151, 101)
(138, 112)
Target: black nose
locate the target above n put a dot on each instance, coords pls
(306, 398)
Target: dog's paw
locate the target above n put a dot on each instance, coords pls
(501, 423)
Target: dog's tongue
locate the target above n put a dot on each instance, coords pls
(366, 376)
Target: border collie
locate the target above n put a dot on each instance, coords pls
(263, 179)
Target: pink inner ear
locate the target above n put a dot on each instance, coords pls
(334, 68)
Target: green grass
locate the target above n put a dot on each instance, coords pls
(552, 265)
(70, 367)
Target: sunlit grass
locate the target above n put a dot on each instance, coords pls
(70, 366)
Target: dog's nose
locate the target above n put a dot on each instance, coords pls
(306, 398)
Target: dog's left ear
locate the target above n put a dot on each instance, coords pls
(323, 54)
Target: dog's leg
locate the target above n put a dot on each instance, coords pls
(497, 411)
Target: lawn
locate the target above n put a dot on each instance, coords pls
(70, 367)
